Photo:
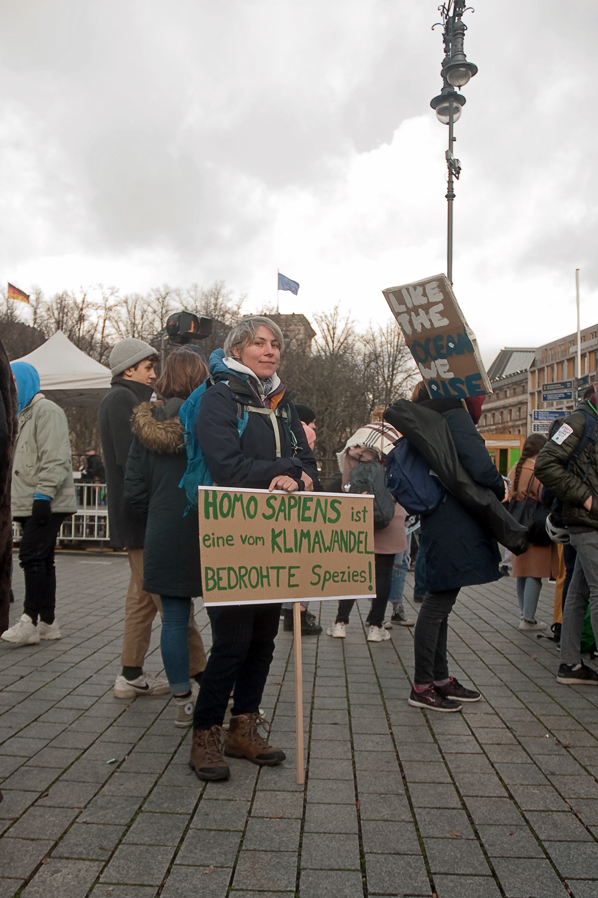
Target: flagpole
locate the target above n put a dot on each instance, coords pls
(277, 288)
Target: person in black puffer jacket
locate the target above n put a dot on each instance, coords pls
(272, 453)
(157, 461)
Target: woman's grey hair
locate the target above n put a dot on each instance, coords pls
(244, 332)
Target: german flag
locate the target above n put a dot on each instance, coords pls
(15, 293)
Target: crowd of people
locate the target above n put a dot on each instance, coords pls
(251, 435)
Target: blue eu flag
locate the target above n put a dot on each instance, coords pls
(285, 283)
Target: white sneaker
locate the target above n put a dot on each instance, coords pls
(532, 625)
(24, 632)
(339, 631)
(387, 625)
(49, 631)
(378, 634)
(185, 706)
(143, 685)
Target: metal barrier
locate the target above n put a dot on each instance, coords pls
(90, 521)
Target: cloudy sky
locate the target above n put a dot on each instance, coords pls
(145, 141)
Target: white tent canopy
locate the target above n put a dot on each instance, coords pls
(67, 375)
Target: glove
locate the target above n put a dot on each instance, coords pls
(42, 512)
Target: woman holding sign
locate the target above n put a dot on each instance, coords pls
(268, 450)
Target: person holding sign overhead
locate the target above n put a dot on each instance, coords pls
(251, 436)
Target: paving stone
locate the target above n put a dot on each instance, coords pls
(489, 810)
(89, 840)
(173, 800)
(537, 798)
(266, 871)
(68, 795)
(30, 777)
(333, 791)
(110, 809)
(157, 829)
(278, 804)
(41, 822)
(384, 873)
(456, 856)
(318, 819)
(112, 890)
(138, 865)
(391, 807)
(574, 859)
(424, 795)
(389, 837)
(587, 889)
(209, 848)
(509, 841)
(336, 852)
(562, 827)
(62, 879)
(323, 768)
(440, 823)
(326, 884)
(425, 772)
(277, 835)
(587, 810)
(227, 815)
(466, 887)
(524, 878)
(20, 857)
(10, 887)
(184, 882)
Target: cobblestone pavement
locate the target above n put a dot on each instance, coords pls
(99, 801)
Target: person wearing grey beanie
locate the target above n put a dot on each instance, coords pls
(128, 353)
(132, 363)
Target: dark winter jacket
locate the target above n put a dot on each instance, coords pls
(575, 486)
(127, 525)
(251, 460)
(459, 550)
(156, 463)
(8, 433)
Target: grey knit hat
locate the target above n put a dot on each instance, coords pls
(127, 353)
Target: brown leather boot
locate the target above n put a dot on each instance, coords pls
(206, 755)
(244, 741)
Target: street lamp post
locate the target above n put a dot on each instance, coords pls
(456, 72)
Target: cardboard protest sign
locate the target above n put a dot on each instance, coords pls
(257, 546)
(435, 330)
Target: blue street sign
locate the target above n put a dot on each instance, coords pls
(539, 414)
(557, 397)
(543, 427)
(557, 387)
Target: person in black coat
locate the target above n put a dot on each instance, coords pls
(132, 364)
(156, 463)
(459, 552)
(8, 435)
(272, 453)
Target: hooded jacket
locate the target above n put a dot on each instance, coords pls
(575, 486)
(250, 460)
(127, 525)
(8, 434)
(42, 461)
(457, 539)
(155, 465)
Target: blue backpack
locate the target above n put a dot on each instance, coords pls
(411, 481)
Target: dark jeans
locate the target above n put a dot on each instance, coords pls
(36, 556)
(384, 564)
(242, 650)
(430, 636)
(420, 571)
(569, 556)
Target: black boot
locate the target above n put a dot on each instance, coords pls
(309, 625)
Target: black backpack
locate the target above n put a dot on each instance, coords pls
(369, 477)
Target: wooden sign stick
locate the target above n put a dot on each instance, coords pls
(298, 691)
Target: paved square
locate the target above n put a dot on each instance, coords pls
(99, 800)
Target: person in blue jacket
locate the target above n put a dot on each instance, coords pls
(272, 453)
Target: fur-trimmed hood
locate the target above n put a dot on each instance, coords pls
(158, 426)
